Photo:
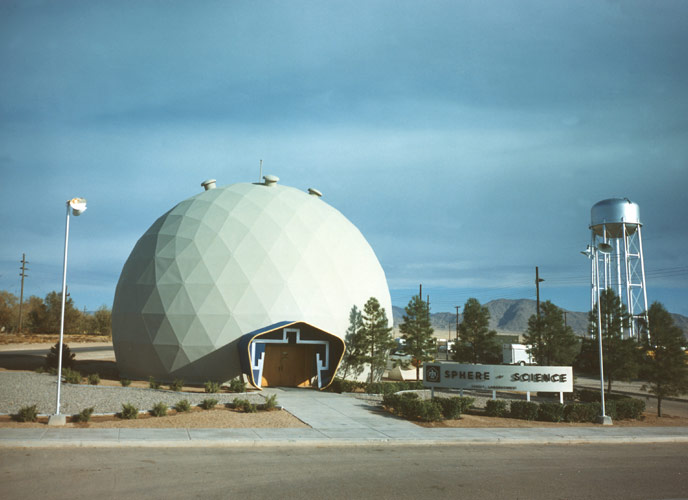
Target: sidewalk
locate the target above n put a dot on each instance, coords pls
(335, 420)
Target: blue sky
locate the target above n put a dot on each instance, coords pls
(467, 140)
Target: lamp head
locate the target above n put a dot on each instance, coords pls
(605, 248)
(78, 206)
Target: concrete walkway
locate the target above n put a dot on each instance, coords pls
(335, 420)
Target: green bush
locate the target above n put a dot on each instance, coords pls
(208, 404)
(550, 412)
(409, 405)
(71, 376)
(177, 385)
(390, 387)
(244, 405)
(159, 410)
(340, 385)
(451, 407)
(212, 387)
(630, 409)
(466, 403)
(593, 396)
(52, 358)
(183, 406)
(523, 410)
(129, 412)
(153, 384)
(84, 415)
(582, 412)
(93, 379)
(125, 382)
(496, 408)
(237, 385)
(26, 414)
(270, 402)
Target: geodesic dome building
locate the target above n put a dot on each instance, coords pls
(249, 278)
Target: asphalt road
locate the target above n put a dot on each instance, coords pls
(511, 472)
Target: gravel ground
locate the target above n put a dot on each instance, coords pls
(19, 389)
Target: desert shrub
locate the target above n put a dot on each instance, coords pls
(451, 407)
(26, 414)
(71, 376)
(153, 384)
(208, 404)
(125, 382)
(244, 405)
(183, 406)
(93, 379)
(496, 408)
(270, 402)
(582, 412)
(629, 409)
(177, 385)
(52, 358)
(523, 410)
(84, 415)
(237, 385)
(129, 412)
(159, 410)
(550, 412)
(212, 387)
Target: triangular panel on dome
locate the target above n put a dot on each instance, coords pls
(167, 271)
(168, 292)
(180, 360)
(216, 326)
(180, 325)
(160, 329)
(213, 303)
(166, 354)
(197, 334)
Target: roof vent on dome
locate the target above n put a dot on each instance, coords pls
(270, 180)
(209, 184)
(314, 192)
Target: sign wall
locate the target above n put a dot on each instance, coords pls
(498, 377)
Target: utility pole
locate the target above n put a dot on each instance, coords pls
(565, 325)
(538, 280)
(21, 294)
(457, 323)
(420, 292)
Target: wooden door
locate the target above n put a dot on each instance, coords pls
(288, 365)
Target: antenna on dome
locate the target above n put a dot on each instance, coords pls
(260, 175)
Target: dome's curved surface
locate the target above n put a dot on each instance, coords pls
(229, 261)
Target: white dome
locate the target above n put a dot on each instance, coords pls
(230, 261)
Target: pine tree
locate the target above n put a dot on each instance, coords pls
(552, 343)
(666, 364)
(417, 331)
(377, 337)
(621, 356)
(476, 342)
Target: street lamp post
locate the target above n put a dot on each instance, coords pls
(77, 206)
(592, 251)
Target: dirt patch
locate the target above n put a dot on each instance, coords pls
(218, 418)
(50, 338)
(477, 420)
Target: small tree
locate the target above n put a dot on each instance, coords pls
(354, 356)
(377, 337)
(551, 342)
(417, 332)
(52, 358)
(665, 367)
(476, 342)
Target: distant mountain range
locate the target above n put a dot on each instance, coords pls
(511, 317)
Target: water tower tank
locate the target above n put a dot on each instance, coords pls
(616, 222)
(613, 214)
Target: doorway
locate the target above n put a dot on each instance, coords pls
(288, 365)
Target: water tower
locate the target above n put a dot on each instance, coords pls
(616, 222)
